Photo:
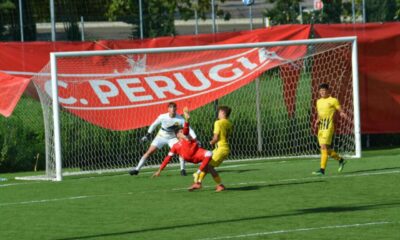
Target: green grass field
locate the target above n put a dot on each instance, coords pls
(265, 200)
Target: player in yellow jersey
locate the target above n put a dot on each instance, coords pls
(326, 108)
(221, 134)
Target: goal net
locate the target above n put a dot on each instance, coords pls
(107, 100)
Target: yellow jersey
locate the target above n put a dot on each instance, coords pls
(326, 108)
(223, 128)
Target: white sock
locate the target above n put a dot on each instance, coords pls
(141, 163)
(182, 162)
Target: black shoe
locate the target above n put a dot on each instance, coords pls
(183, 172)
(342, 162)
(134, 172)
(319, 173)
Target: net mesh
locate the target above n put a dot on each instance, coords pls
(273, 112)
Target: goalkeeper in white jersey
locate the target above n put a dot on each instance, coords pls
(166, 135)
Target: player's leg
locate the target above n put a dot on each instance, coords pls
(219, 155)
(182, 165)
(338, 158)
(217, 179)
(203, 157)
(156, 144)
(324, 139)
(171, 143)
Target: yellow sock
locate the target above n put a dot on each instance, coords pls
(217, 179)
(195, 177)
(324, 158)
(201, 176)
(334, 155)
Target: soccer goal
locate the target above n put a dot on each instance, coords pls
(107, 99)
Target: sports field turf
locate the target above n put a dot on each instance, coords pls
(265, 200)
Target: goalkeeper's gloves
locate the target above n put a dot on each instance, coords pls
(146, 137)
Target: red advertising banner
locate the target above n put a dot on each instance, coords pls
(11, 89)
(137, 87)
(136, 92)
(26, 59)
(379, 72)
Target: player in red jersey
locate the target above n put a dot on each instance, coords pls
(189, 150)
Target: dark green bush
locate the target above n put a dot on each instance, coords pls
(22, 145)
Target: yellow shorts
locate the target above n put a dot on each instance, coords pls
(219, 155)
(325, 136)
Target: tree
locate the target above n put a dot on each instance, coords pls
(6, 7)
(380, 10)
(9, 15)
(159, 15)
(287, 12)
(331, 13)
(29, 23)
(284, 12)
(397, 17)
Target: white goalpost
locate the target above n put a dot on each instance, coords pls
(107, 99)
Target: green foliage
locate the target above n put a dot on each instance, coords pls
(283, 12)
(29, 23)
(5, 5)
(397, 17)
(22, 138)
(6, 8)
(288, 12)
(159, 15)
(70, 19)
(381, 10)
(9, 15)
(72, 31)
(331, 13)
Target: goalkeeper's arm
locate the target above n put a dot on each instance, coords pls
(147, 137)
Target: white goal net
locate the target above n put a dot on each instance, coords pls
(107, 100)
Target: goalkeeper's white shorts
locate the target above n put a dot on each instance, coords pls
(160, 142)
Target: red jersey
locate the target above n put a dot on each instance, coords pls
(188, 149)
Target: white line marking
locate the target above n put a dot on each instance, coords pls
(180, 189)
(14, 184)
(46, 200)
(298, 230)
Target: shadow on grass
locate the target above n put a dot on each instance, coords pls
(335, 209)
(373, 170)
(236, 171)
(259, 186)
(300, 212)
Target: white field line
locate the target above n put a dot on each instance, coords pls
(120, 175)
(181, 189)
(16, 184)
(44, 200)
(356, 225)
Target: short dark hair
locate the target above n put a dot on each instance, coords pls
(227, 110)
(177, 129)
(172, 104)
(323, 86)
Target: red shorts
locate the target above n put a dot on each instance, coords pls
(199, 156)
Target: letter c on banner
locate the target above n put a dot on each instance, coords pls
(70, 100)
